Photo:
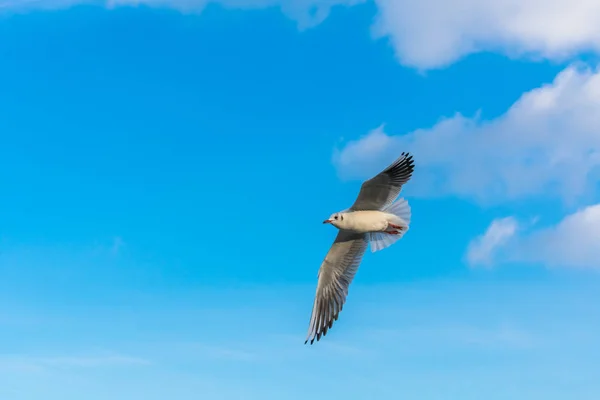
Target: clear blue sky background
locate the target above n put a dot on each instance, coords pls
(163, 178)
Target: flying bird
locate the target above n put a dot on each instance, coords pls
(373, 219)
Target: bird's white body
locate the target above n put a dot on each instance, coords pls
(368, 221)
(382, 228)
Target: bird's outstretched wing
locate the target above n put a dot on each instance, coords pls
(380, 191)
(335, 275)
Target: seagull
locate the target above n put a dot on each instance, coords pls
(373, 219)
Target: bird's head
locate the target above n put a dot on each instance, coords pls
(335, 219)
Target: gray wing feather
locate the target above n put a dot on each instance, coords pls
(380, 191)
(335, 275)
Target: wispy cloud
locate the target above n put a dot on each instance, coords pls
(117, 245)
(306, 13)
(462, 335)
(482, 249)
(42, 363)
(573, 242)
(546, 144)
(28, 5)
(222, 352)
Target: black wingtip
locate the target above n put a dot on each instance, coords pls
(404, 161)
(316, 337)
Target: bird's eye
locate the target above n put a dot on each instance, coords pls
(336, 217)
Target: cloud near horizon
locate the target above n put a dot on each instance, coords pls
(31, 363)
(547, 144)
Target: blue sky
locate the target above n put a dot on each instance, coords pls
(165, 170)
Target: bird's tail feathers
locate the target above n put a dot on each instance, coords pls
(381, 240)
(401, 209)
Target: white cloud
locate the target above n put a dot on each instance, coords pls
(434, 33)
(482, 249)
(546, 144)
(574, 242)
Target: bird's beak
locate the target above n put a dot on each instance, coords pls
(327, 221)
